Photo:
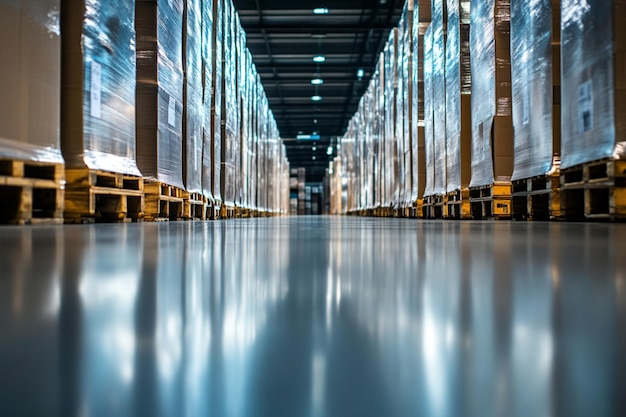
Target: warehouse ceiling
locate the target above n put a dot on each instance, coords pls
(284, 36)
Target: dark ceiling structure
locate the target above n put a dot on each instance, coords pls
(315, 97)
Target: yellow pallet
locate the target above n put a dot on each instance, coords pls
(458, 205)
(491, 201)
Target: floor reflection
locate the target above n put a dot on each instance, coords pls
(313, 317)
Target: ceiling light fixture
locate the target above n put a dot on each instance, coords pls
(320, 10)
(316, 98)
(319, 58)
(360, 73)
(317, 81)
(329, 150)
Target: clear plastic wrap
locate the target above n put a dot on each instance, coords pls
(98, 86)
(458, 96)
(160, 90)
(216, 100)
(379, 134)
(593, 80)
(229, 106)
(391, 160)
(206, 8)
(429, 128)
(492, 130)
(239, 62)
(536, 141)
(30, 80)
(400, 119)
(193, 93)
(439, 95)
(407, 97)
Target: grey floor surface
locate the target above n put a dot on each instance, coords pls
(314, 316)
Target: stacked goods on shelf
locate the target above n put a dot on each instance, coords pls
(98, 124)
(159, 105)
(215, 153)
(492, 128)
(293, 188)
(334, 172)
(458, 110)
(31, 165)
(535, 67)
(301, 190)
(421, 22)
(193, 111)
(593, 94)
(348, 191)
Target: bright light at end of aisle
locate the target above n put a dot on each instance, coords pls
(360, 73)
(320, 10)
(329, 150)
(316, 98)
(317, 81)
(319, 58)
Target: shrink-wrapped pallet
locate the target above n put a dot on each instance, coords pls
(230, 111)
(593, 34)
(458, 96)
(429, 122)
(438, 25)
(492, 131)
(421, 21)
(193, 110)
(207, 96)
(391, 160)
(160, 90)
(98, 85)
(535, 67)
(217, 86)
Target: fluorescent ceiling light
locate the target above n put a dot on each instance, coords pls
(360, 73)
(320, 10)
(317, 81)
(319, 58)
(316, 98)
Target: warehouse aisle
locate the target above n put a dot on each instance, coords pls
(313, 316)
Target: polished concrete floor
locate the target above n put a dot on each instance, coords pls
(314, 316)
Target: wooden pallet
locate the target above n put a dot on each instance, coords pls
(163, 201)
(95, 195)
(537, 198)
(458, 205)
(228, 212)
(31, 192)
(195, 206)
(491, 201)
(594, 191)
(435, 207)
